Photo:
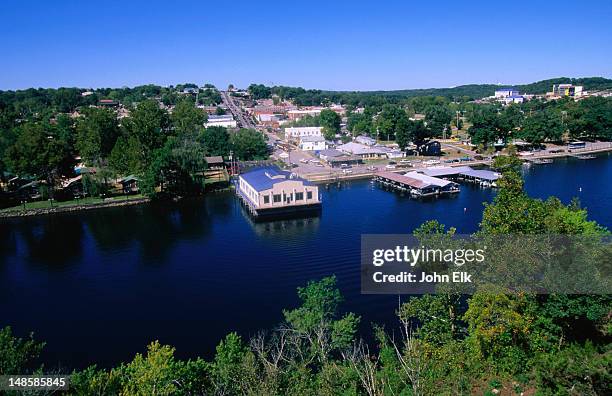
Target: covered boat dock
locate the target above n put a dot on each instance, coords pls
(416, 184)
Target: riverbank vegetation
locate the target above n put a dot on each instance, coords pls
(491, 342)
(49, 137)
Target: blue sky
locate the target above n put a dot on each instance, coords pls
(348, 45)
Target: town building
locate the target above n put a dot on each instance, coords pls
(270, 191)
(573, 91)
(312, 143)
(226, 120)
(296, 133)
(362, 151)
(506, 92)
(365, 140)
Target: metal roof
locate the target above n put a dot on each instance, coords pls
(445, 171)
(266, 177)
(483, 174)
(429, 179)
(412, 182)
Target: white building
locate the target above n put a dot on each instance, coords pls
(312, 143)
(365, 140)
(362, 151)
(506, 92)
(296, 133)
(226, 120)
(270, 190)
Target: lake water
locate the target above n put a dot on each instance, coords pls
(97, 286)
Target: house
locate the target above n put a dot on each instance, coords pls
(362, 151)
(226, 120)
(368, 141)
(269, 190)
(295, 133)
(392, 153)
(215, 162)
(312, 143)
(431, 148)
(129, 184)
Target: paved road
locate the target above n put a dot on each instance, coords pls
(243, 120)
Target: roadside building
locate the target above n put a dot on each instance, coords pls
(432, 148)
(295, 114)
(215, 162)
(269, 190)
(368, 141)
(296, 133)
(362, 151)
(226, 120)
(312, 143)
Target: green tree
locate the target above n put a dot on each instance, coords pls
(17, 354)
(97, 132)
(249, 144)
(438, 118)
(330, 121)
(127, 156)
(153, 374)
(216, 141)
(187, 119)
(149, 124)
(38, 152)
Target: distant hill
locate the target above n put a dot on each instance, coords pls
(484, 90)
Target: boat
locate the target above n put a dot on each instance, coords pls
(585, 157)
(541, 161)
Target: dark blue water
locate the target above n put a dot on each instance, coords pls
(99, 285)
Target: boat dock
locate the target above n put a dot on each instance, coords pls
(483, 177)
(418, 185)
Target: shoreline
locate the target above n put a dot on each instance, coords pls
(72, 208)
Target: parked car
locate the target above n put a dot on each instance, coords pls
(404, 161)
(344, 166)
(390, 166)
(346, 171)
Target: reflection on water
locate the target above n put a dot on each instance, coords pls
(189, 273)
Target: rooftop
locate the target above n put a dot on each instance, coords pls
(266, 177)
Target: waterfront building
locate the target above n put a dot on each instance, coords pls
(443, 186)
(312, 143)
(269, 191)
(226, 120)
(362, 151)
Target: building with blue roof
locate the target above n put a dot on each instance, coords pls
(269, 190)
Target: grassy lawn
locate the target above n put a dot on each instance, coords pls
(75, 202)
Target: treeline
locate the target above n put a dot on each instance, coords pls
(166, 150)
(492, 342)
(28, 102)
(539, 121)
(462, 93)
